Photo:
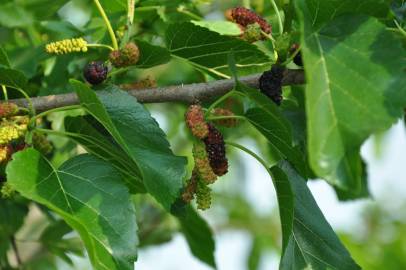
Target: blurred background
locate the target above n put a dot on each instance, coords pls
(244, 213)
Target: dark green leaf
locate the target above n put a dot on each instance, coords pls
(356, 86)
(139, 135)
(208, 51)
(266, 117)
(101, 145)
(151, 55)
(4, 58)
(312, 243)
(12, 78)
(89, 195)
(12, 216)
(198, 235)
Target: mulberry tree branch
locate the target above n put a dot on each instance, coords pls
(188, 93)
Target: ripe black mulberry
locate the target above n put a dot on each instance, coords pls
(216, 151)
(95, 72)
(270, 83)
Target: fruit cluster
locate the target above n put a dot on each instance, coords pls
(270, 83)
(209, 155)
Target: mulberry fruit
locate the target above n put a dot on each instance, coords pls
(252, 33)
(190, 188)
(245, 17)
(8, 109)
(270, 83)
(202, 164)
(298, 57)
(127, 56)
(203, 196)
(41, 143)
(95, 72)
(216, 151)
(230, 122)
(195, 121)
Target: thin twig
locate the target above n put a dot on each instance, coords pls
(188, 93)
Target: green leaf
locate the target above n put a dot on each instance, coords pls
(92, 137)
(356, 86)
(114, 5)
(12, 216)
(266, 117)
(221, 27)
(198, 235)
(12, 78)
(12, 15)
(312, 243)
(4, 58)
(139, 135)
(151, 55)
(208, 51)
(89, 195)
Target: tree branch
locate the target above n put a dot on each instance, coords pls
(188, 93)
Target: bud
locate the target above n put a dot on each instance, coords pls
(215, 148)
(127, 56)
(252, 33)
(202, 163)
(245, 17)
(195, 121)
(8, 109)
(231, 122)
(203, 196)
(67, 46)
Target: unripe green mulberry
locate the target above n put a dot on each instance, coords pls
(202, 163)
(7, 191)
(41, 143)
(190, 189)
(252, 33)
(127, 56)
(8, 109)
(203, 196)
(230, 122)
(195, 121)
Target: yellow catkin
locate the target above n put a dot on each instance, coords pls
(67, 46)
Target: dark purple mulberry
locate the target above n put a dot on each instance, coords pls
(216, 151)
(270, 83)
(95, 72)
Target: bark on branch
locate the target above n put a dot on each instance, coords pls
(188, 93)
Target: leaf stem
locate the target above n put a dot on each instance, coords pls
(66, 108)
(287, 61)
(4, 88)
(108, 24)
(100, 46)
(401, 30)
(248, 151)
(213, 118)
(278, 15)
(27, 97)
(218, 101)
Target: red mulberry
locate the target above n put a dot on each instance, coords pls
(8, 109)
(216, 151)
(270, 83)
(230, 122)
(95, 72)
(195, 121)
(202, 164)
(127, 56)
(245, 17)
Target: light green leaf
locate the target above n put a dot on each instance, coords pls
(139, 135)
(208, 51)
(356, 86)
(89, 195)
(311, 243)
(221, 27)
